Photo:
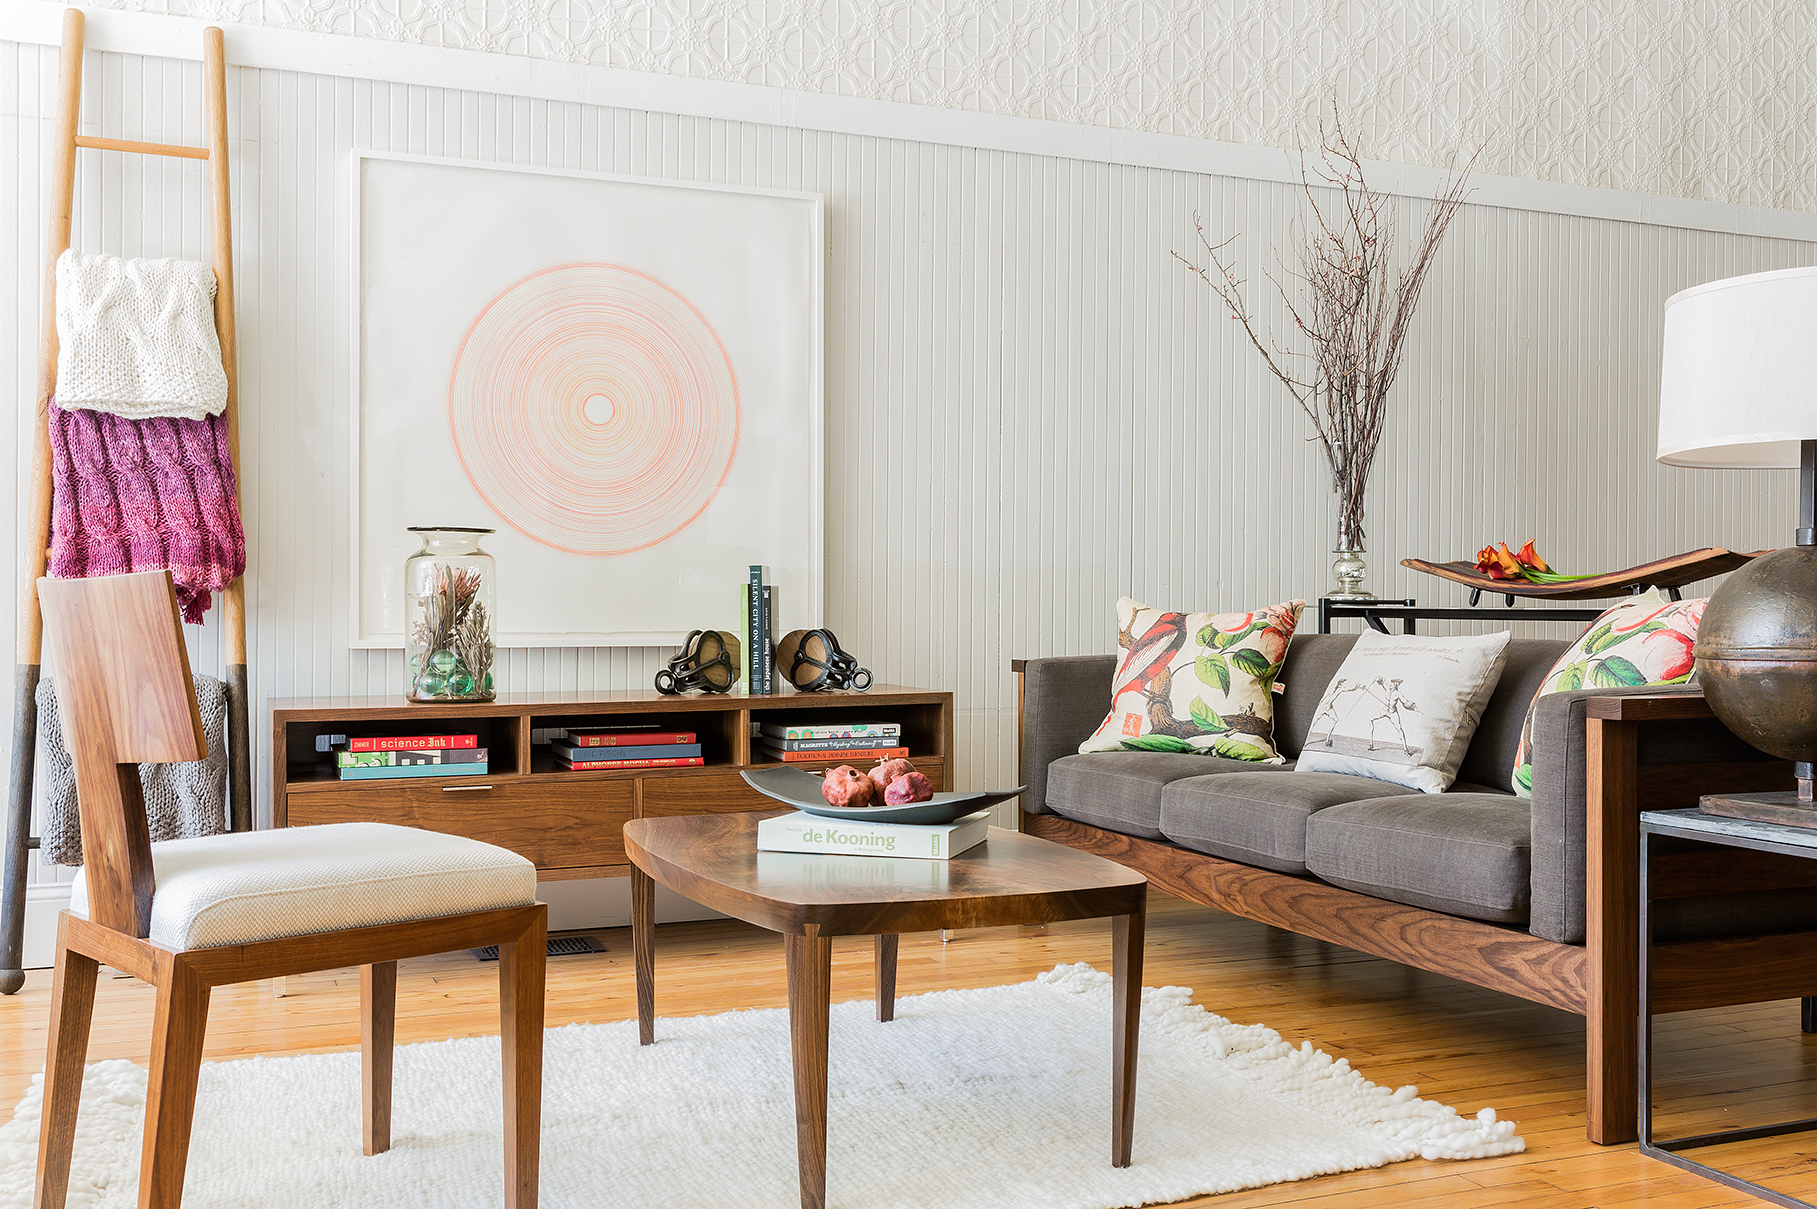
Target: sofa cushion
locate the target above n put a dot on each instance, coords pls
(1312, 662)
(1526, 663)
(1461, 853)
(1121, 791)
(1258, 818)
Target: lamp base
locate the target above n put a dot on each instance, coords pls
(1785, 808)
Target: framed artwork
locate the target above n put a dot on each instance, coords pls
(622, 376)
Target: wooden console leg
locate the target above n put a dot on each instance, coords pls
(643, 952)
(1807, 1014)
(810, 963)
(1612, 901)
(885, 961)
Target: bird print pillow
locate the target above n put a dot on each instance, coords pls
(1197, 682)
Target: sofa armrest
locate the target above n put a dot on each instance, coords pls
(1062, 701)
(1560, 789)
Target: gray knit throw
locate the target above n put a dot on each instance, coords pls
(181, 800)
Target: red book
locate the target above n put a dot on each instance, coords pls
(410, 742)
(664, 762)
(630, 738)
(831, 758)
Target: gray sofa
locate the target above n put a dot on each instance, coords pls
(1536, 898)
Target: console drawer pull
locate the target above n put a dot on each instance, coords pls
(464, 788)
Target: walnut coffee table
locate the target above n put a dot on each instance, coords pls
(1009, 879)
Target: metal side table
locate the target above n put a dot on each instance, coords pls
(1731, 833)
(1410, 612)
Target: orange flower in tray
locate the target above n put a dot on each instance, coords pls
(1498, 562)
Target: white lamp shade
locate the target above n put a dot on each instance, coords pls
(1738, 381)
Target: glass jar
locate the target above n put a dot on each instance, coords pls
(450, 592)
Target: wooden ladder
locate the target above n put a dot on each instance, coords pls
(32, 564)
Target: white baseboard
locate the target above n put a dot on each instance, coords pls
(42, 903)
(605, 902)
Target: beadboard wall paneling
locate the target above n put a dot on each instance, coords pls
(1031, 409)
(1674, 97)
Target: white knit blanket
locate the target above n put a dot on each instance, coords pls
(137, 337)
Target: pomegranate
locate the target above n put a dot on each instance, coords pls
(888, 770)
(846, 786)
(909, 787)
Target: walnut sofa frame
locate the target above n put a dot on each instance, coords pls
(1598, 980)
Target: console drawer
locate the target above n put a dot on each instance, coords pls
(555, 825)
(716, 794)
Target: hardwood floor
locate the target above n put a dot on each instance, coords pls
(1459, 1044)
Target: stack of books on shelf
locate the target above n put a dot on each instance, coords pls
(830, 743)
(627, 747)
(388, 757)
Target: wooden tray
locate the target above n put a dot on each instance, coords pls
(1673, 572)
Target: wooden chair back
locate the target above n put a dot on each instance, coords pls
(126, 697)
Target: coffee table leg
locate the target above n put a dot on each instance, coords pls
(643, 952)
(886, 976)
(1126, 1021)
(810, 962)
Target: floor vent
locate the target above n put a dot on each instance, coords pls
(559, 946)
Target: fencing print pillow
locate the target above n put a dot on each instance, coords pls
(1402, 708)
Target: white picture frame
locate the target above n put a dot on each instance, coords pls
(702, 304)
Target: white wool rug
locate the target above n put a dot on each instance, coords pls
(991, 1098)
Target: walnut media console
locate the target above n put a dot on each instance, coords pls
(569, 823)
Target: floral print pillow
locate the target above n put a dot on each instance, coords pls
(1197, 682)
(1643, 641)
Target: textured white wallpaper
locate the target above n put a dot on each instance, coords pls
(1702, 99)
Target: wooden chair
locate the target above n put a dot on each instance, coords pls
(190, 915)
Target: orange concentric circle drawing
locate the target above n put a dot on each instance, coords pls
(594, 408)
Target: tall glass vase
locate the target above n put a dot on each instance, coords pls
(450, 593)
(1348, 566)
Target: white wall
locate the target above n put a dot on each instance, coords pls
(1685, 98)
(1031, 409)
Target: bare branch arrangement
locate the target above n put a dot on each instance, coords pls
(1353, 307)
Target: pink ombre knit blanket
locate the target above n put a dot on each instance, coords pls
(145, 495)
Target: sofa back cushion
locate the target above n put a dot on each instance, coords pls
(1313, 660)
(1491, 753)
(1312, 663)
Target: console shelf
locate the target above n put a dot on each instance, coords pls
(569, 822)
